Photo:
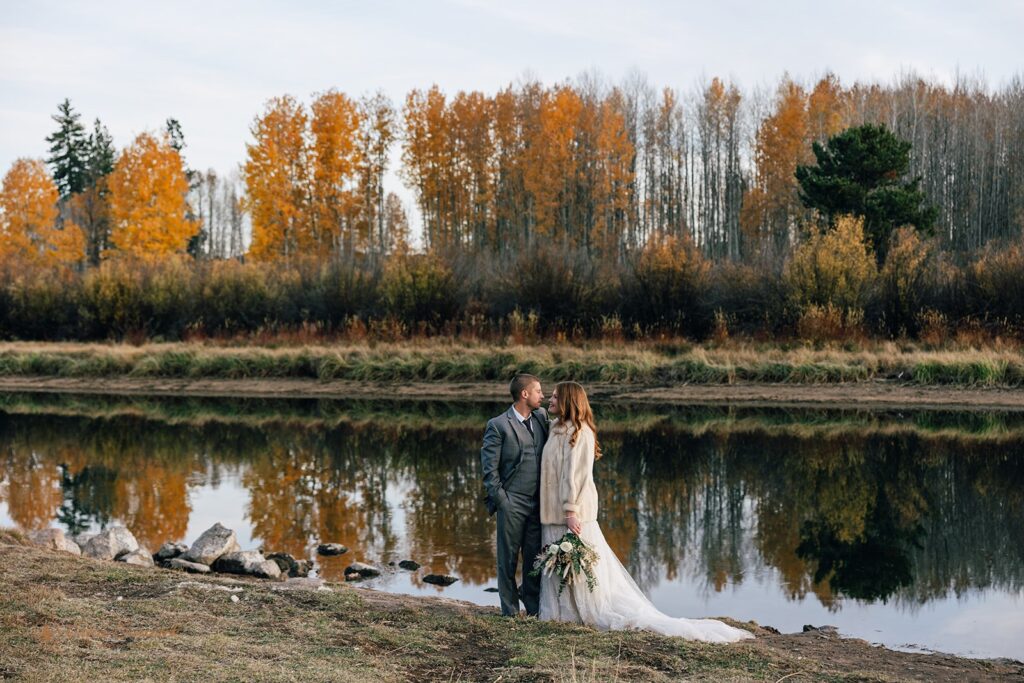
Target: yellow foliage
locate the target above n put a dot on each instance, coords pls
(148, 202)
(28, 218)
(902, 278)
(835, 267)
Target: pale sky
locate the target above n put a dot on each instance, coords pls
(212, 65)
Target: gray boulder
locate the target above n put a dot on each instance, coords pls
(439, 579)
(249, 562)
(54, 539)
(169, 551)
(268, 569)
(290, 566)
(285, 562)
(190, 567)
(111, 544)
(211, 544)
(241, 562)
(140, 557)
(331, 549)
(364, 570)
(83, 538)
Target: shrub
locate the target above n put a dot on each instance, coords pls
(903, 281)
(418, 288)
(669, 284)
(124, 297)
(832, 268)
(562, 285)
(996, 282)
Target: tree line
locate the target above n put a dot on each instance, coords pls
(635, 196)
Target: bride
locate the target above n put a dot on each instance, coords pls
(568, 502)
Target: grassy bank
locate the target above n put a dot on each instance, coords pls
(447, 362)
(66, 618)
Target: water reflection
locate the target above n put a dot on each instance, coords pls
(874, 508)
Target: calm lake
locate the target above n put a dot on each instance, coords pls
(902, 528)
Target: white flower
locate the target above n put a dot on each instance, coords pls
(566, 547)
(552, 549)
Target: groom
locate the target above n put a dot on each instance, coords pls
(513, 443)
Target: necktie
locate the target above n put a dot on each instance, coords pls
(527, 422)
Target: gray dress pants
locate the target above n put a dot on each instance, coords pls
(518, 533)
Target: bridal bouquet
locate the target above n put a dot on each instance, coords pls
(568, 557)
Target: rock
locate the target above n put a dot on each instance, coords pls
(54, 539)
(331, 549)
(364, 570)
(284, 561)
(490, 590)
(169, 551)
(409, 564)
(250, 562)
(140, 557)
(185, 565)
(267, 569)
(242, 562)
(439, 579)
(353, 576)
(111, 544)
(290, 566)
(83, 538)
(48, 538)
(211, 544)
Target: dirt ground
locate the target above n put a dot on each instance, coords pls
(71, 618)
(875, 394)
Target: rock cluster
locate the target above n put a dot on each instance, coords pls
(216, 550)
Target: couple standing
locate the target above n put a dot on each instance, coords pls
(538, 473)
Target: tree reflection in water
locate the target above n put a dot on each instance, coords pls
(870, 510)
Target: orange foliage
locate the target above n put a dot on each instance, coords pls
(148, 203)
(28, 218)
(277, 181)
(334, 159)
(772, 209)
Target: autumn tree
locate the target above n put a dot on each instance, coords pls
(334, 158)
(277, 180)
(721, 185)
(28, 218)
(148, 206)
(378, 130)
(860, 172)
(426, 164)
(550, 173)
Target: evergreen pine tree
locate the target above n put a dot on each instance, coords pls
(101, 153)
(860, 172)
(68, 151)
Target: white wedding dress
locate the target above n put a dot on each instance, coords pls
(617, 602)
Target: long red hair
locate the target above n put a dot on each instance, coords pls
(575, 409)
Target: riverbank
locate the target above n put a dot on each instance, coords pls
(72, 618)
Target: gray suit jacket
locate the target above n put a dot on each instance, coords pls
(502, 452)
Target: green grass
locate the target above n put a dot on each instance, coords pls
(647, 365)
